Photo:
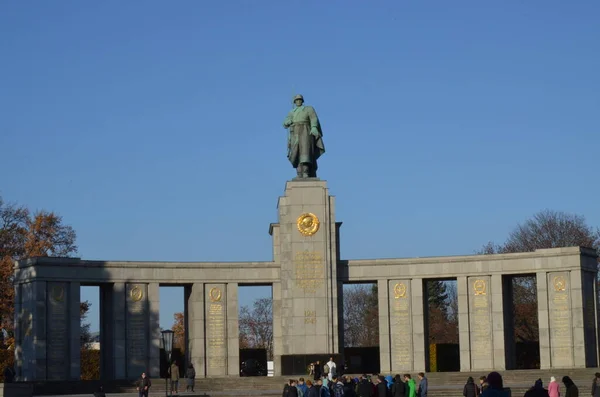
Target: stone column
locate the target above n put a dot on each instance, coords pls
(417, 307)
(30, 337)
(154, 335)
(401, 328)
(216, 330)
(115, 317)
(277, 339)
(75, 330)
(136, 330)
(499, 352)
(464, 339)
(233, 331)
(544, 323)
(588, 286)
(480, 322)
(582, 320)
(195, 321)
(560, 319)
(384, 326)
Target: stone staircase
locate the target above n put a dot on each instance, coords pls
(441, 384)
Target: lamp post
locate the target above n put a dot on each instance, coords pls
(167, 340)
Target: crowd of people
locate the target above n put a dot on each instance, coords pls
(327, 383)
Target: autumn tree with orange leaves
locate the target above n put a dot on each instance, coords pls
(179, 332)
(25, 235)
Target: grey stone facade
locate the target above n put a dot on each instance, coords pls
(307, 275)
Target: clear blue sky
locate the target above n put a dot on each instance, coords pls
(154, 128)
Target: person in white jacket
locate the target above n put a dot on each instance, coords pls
(332, 369)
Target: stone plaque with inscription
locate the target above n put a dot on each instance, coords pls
(57, 339)
(559, 315)
(216, 329)
(401, 325)
(480, 322)
(137, 324)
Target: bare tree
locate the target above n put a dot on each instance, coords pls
(256, 326)
(547, 229)
(361, 316)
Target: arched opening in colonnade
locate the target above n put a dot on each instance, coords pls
(90, 332)
(441, 325)
(255, 319)
(361, 327)
(522, 337)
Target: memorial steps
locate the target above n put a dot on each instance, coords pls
(441, 384)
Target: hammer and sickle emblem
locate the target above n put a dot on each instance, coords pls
(560, 283)
(399, 290)
(479, 287)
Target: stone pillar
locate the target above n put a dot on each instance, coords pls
(384, 326)
(115, 317)
(401, 329)
(154, 335)
(464, 339)
(480, 322)
(233, 331)
(544, 322)
(195, 322)
(137, 323)
(277, 338)
(216, 330)
(588, 287)
(499, 352)
(417, 307)
(30, 337)
(308, 258)
(74, 304)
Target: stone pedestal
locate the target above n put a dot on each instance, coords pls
(307, 250)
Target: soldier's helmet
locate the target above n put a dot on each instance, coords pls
(298, 97)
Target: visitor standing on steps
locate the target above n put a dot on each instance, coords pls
(553, 387)
(422, 384)
(411, 387)
(143, 385)
(191, 378)
(596, 385)
(572, 390)
(470, 389)
(333, 369)
(174, 373)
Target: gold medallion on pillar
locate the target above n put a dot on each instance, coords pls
(58, 293)
(399, 290)
(136, 294)
(215, 294)
(479, 287)
(308, 224)
(559, 283)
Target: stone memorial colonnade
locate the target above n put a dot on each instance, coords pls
(306, 275)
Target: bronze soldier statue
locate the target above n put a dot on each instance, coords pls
(305, 139)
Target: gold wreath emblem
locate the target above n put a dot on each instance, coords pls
(308, 224)
(58, 293)
(559, 283)
(479, 287)
(136, 294)
(214, 294)
(399, 290)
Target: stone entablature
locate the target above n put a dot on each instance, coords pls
(307, 276)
